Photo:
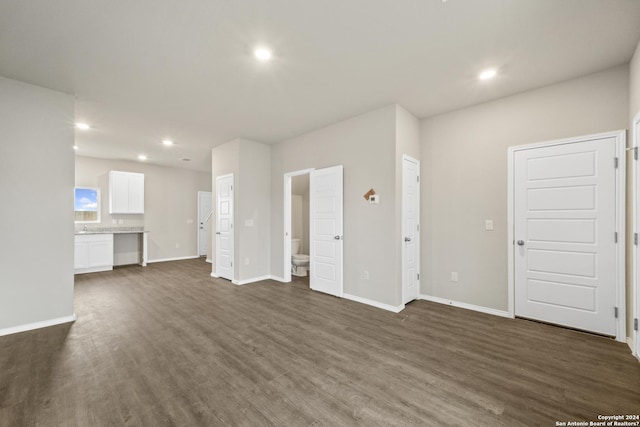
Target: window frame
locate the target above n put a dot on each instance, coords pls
(98, 201)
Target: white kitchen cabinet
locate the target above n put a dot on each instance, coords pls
(93, 252)
(126, 193)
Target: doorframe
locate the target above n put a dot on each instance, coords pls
(403, 231)
(286, 272)
(635, 187)
(620, 177)
(205, 221)
(233, 230)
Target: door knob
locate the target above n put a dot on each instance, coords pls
(338, 237)
(407, 239)
(521, 242)
(217, 232)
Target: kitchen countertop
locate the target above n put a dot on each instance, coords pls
(112, 230)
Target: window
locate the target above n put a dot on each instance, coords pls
(87, 204)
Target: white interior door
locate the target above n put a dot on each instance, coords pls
(410, 229)
(224, 226)
(204, 217)
(565, 234)
(325, 246)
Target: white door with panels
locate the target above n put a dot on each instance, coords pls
(325, 206)
(564, 236)
(410, 229)
(224, 226)
(204, 216)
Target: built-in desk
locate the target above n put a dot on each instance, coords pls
(94, 248)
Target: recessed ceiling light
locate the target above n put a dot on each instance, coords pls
(167, 142)
(83, 126)
(487, 74)
(142, 157)
(75, 147)
(262, 54)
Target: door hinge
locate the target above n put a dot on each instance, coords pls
(615, 312)
(615, 162)
(231, 263)
(418, 227)
(418, 178)
(615, 237)
(635, 239)
(635, 324)
(635, 153)
(418, 276)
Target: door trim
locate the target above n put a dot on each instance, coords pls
(286, 197)
(620, 149)
(199, 243)
(635, 187)
(406, 157)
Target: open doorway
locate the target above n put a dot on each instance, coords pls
(325, 229)
(296, 225)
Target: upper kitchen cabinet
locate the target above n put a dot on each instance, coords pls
(126, 193)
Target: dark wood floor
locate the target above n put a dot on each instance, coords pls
(169, 345)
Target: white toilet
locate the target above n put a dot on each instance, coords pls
(299, 262)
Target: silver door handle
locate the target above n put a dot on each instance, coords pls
(217, 232)
(520, 242)
(407, 239)
(338, 237)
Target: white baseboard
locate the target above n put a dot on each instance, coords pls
(277, 279)
(38, 325)
(253, 280)
(209, 261)
(92, 270)
(395, 309)
(213, 274)
(180, 258)
(466, 306)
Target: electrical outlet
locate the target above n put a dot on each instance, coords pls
(246, 261)
(114, 221)
(177, 245)
(454, 276)
(189, 221)
(365, 275)
(488, 224)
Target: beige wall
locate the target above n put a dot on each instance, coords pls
(253, 203)
(464, 176)
(300, 187)
(365, 146)
(36, 217)
(170, 203)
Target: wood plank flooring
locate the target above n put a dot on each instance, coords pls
(169, 345)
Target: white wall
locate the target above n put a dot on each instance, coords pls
(170, 202)
(464, 176)
(36, 218)
(365, 146)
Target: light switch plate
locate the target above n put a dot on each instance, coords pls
(488, 224)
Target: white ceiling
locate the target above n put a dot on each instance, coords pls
(145, 70)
